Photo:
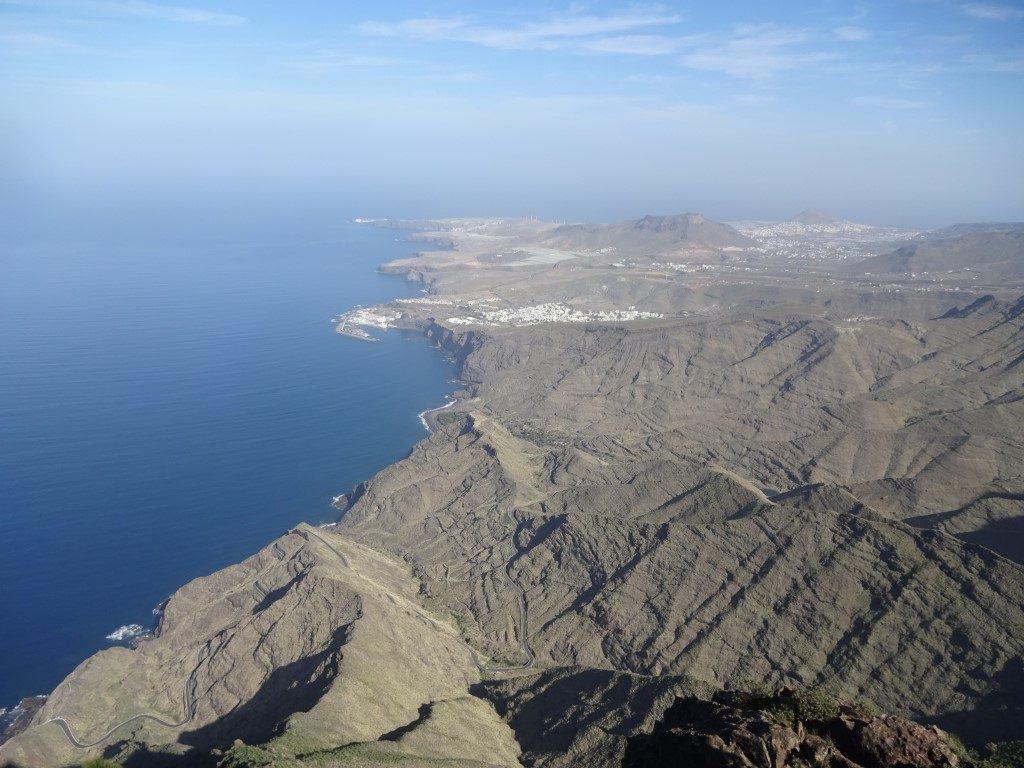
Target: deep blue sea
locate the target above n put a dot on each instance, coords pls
(168, 410)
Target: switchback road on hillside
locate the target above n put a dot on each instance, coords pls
(189, 699)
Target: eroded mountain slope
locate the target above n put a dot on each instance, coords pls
(660, 567)
(766, 479)
(890, 407)
(623, 485)
(314, 646)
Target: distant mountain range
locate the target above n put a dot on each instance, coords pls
(816, 218)
(650, 234)
(994, 250)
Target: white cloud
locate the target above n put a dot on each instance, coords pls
(757, 51)
(172, 13)
(602, 34)
(635, 45)
(991, 12)
(991, 63)
(852, 34)
(36, 43)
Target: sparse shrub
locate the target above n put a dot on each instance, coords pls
(959, 749)
(1007, 754)
(747, 694)
(814, 704)
(241, 755)
(787, 706)
(782, 715)
(865, 710)
(751, 690)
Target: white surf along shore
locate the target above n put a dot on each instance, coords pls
(423, 414)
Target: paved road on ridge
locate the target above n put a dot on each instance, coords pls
(189, 700)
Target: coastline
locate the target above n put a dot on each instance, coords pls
(128, 627)
(523, 477)
(426, 416)
(16, 719)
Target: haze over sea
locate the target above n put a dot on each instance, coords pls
(167, 410)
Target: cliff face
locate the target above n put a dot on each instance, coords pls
(459, 344)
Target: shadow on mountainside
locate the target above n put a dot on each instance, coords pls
(1004, 537)
(998, 715)
(291, 688)
(616, 703)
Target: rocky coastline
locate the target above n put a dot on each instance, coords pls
(615, 514)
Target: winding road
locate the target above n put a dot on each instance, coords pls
(189, 700)
(524, 644)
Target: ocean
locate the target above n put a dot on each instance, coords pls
(167, 410)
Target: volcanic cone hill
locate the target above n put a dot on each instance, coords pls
(650, 235)
(812, 217)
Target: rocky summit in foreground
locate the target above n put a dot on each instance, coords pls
(788, 728)
(688, 459)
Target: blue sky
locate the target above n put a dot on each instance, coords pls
(899, 112)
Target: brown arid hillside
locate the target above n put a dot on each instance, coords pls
(996, 251)
(650, 235)
(660, 485)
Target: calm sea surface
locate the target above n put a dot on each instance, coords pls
(167, 411)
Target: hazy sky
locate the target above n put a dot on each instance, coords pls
(896, 111)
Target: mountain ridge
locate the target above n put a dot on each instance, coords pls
(767, 485)
(994, 251)
(651, 233)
